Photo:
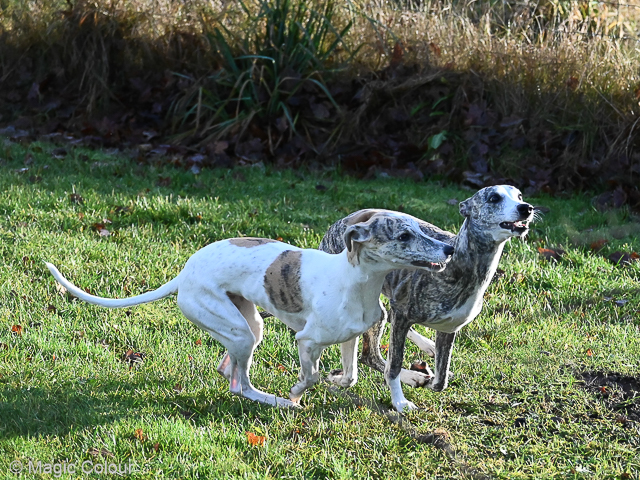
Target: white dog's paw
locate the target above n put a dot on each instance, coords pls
(284, 403)
(339, 379)
(404, 405)
(414, 379)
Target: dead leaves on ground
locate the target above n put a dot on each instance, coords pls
(255, 440)
(551, 253)
(623, 258)
(100, 452)
(133, 358)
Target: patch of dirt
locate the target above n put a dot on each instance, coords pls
(620, 392)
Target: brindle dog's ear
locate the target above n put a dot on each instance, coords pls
(353, 237)
(465, 210)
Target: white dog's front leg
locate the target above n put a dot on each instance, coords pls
(348, 376)
(309, 352)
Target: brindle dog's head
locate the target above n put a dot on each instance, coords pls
(499, 211)
(393, 239)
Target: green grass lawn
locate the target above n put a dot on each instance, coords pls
(517, 407)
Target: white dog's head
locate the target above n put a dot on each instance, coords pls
(499, 211)
(393, 239)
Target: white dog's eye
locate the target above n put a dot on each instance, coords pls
(520, 197)
(404, 237)
(495, 198)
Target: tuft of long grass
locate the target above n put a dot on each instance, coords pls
(567, 68)
(287, 48)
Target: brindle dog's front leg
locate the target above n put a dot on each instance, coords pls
(371, 343)
(444, 346)
(399, 328)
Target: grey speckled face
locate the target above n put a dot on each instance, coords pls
(397, 239)
(500, 210)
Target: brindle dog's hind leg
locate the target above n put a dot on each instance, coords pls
(444, 346)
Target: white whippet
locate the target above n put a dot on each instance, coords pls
(327, 299)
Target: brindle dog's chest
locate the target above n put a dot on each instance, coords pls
(442, 302)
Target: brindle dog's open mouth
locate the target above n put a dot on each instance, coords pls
(431, 266)
(518, 227)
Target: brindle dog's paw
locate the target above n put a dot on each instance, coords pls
(339, 379)
(414, 379)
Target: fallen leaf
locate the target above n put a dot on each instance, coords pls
(254, 439)
(75, 198)
(549, 253)
(139, 434)
(589, 353)
(52, 308)
(281, 368)
(17, 329)
(279, 239)
(598, 244)
(320, 110)
(397, 54)
(59, 153)
(156, 447)
(60, 289)
(621, 419)
(572, 83)
(177, 387)
(623, 258)
(95, 452)
(198, 342)
(133, 357)
(164, 182)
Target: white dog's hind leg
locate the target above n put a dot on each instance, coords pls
(256, 324)
(217, 315)
(348, 376)
(425, 344)
(224, 367)
(309, 353)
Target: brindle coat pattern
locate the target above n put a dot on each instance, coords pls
(282, 282)
(428, 298)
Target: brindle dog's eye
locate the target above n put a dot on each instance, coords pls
(495, 198)
(404, 237)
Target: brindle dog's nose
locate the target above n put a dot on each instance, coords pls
(448, 250)
(525, 209)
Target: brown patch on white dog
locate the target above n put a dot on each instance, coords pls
(249, 242)
(282, 282)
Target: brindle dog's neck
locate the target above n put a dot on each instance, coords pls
(476, 255)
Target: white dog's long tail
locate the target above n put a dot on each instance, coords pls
(163, 291)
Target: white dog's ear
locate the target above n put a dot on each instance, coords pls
(353, 237)
(465, 211)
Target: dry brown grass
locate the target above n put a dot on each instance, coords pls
(571, 65)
